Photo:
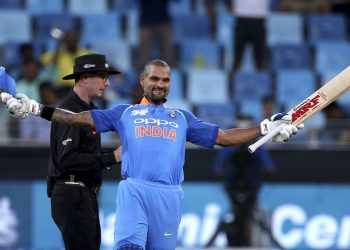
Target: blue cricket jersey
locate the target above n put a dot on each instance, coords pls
(154, 139)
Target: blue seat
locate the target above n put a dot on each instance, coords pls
(296, 56)
(252, 108)
(251, 86)
(11, 5)
(123, 84)
(330, 27)
(93, 28)
(195, 53)
(132, 28)
(117, 53)
(35, 7)
(224, 29)
(284, 28)
(177, 85)
(14, 26)
(190, 26)
(294, 86)
(44, 22)
(223, 115)
(179, 7)
(207, 86)
(84, 7)
(124, 6)
(180, 104)
(331, 56)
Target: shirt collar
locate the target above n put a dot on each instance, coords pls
(145, 101)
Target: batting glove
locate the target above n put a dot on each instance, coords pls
(287, 129)
(20, 106)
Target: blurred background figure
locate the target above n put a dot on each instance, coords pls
(155, 31)
(305, 6)
(269, 106)
(243, 174)
(59, 62)
(337, 125)
(250, 30)
(38, 130)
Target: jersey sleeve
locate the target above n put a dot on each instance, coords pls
(105, 119)
(199, 132)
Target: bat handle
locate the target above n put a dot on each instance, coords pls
(265, 138)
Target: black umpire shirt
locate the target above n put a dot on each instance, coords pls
(76, 150)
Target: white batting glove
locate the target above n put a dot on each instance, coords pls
(287, 129)
(20, 106)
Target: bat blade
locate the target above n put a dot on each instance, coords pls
(320, 99)
(7, 83)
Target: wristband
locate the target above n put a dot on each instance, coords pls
(47, 112)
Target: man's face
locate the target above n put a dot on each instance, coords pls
(96, 84)
(156, 83)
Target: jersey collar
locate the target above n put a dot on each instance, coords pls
(145, 101)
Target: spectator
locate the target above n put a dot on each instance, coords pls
(269, 106)
(250, 29)
(155, 28)
(318, 6)
(60, 62)
(337, 127)
(29, 79)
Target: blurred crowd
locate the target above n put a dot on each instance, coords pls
(39, 68)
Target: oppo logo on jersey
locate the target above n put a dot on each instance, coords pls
(150, 127)
(153, 121)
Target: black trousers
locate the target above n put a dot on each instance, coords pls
(250, 31)
(75, 212)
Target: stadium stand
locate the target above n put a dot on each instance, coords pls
(284, 28)
(221, 114)
(206, 54)
(11, 5)
(84, 7)
(207, 86)
(189, 26)
(93, 24)
(15, 26)
(36, 7)
(177, 86)
(251, 86)
(293, 86)
(330, 27)
(295, 56)
(331, 56)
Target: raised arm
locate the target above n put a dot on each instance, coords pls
(21, 106)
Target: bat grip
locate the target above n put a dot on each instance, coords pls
(265, 138)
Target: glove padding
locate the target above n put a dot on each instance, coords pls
(280, 119)
(20, 106)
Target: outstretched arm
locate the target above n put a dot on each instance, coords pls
(21, 106)
(77, 119)
(237, 136)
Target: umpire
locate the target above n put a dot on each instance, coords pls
(76, 160)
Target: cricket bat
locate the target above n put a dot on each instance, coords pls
(320, 99)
